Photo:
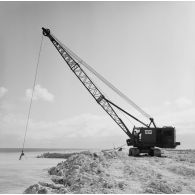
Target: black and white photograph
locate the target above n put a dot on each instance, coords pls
(97, 97)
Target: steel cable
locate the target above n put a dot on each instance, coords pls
(31, 99)
(106, 82)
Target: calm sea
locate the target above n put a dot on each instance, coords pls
(16, 175)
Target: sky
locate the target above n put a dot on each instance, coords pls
(145, 49)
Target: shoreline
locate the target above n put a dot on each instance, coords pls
(115, 172)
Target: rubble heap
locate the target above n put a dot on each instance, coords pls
(85, 172)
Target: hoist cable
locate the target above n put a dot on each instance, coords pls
(31, 99)
(126, 117)
(106, 82)
(78, 59)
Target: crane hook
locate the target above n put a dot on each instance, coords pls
(22, 154)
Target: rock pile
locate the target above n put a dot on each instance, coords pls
(85, 172)
(116, 173)
(55, 155)
(162, 187)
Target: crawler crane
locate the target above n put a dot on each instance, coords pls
(144, 139)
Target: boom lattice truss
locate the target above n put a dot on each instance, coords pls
(87, 82)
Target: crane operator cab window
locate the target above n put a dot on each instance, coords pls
(137, 135)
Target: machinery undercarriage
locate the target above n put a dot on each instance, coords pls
(150, 151)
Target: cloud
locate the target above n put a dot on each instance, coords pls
(85, 130)
(81, 126)
(40, 93)
(183, 102)
(167, 103)
(179, 113)
(3, 91)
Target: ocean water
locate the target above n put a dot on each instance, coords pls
(16, 175)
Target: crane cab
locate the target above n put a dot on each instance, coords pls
(145, 139)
